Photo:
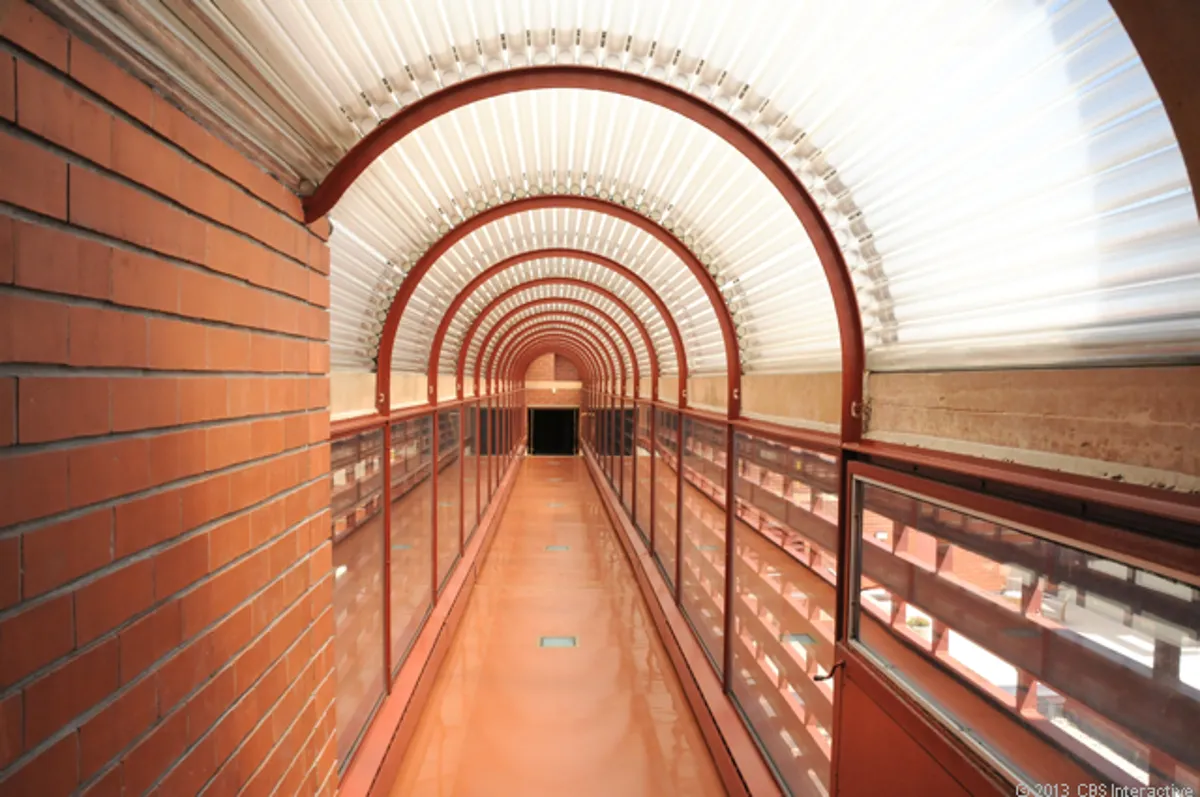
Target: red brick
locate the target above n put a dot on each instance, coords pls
(191, 773)
(267, 521)
(107, 338)
(318, 427)
(50, 108)
(8, 102)
(143, 766)
(147, 521)
(205, 501)
(318, 289)
(143, 281)
(112, 83)
(63, 552)
(11, 725)
(109, 601)
(205, 295)
(123, 211)
(8, 411)
(228, 349)
(48, 259)
(32, 486)
(32, 30)
(102, 471)
(180, 565)
(10, 573)
(266, 437)
(247, 396)
(318, 257)
(226, 445)
(32, 330)
(207, 705)
(202, 399)
(54, 771)
(229, 540)
(52, 408)
(116, 727)
(176, 345)
(144, 403)
(266, 353)
(110, 784)
(34, 638)
(318, 393)
(7, 250)
(318, 358)
(150, 638)
(34, 177)
(177, 127)
(145, 159)
(58, 697)
(176, 455)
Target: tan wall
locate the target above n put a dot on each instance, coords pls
(565, 370)
(541, 369)
(353, 393)
(558, 397)
(1139, 425)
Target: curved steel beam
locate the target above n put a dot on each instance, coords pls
(574, 254)
(493, 366)
(497, 361)
(567, 317)
(550, 338)
(601, 365)
(572, 303)
(391, 323)
(628, 84)
(570, 281)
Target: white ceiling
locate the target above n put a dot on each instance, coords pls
(1000, 174)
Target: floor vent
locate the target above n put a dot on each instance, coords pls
(799, 639)
(558, 642)
(558, 547)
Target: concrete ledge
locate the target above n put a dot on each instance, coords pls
(738, 758)
(377, 760)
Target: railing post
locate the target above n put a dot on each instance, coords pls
(653, 474)
(679, 483)
(435, 444)
(387, 554)
(730, 553)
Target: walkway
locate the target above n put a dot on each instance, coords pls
(507, 717)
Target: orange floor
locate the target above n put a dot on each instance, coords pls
(507, 717)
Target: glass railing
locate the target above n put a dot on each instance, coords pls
(1097, 657)
(383, 527)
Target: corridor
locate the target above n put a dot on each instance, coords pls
(508, 717)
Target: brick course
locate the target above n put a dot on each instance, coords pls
(165, 578)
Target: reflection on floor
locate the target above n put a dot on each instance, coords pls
(509, 717)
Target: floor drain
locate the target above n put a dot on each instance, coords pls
(402, 547)
(558, 547)
(556, 505)
(709, 548)
(557, 642)
(554, 479)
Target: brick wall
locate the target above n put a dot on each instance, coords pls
(544, 397)
(565, 370)
(541, 369)
(165, 586)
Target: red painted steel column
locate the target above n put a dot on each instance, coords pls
(653, 475)
(679, 483)
(387, 554)
(435, 444)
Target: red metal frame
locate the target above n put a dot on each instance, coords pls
(575, 254)
(502, 353)
(564, 329)
(525, 357)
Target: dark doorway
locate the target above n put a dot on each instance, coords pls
(552, 432)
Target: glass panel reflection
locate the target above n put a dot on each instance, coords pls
(412, 533)
(703, 571)
(449, 494)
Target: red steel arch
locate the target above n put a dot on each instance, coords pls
(497, 361)
(572, 303)
(493, 367)
(570, 281)
(564, 76)
(547, 344)
(575, 254)
(562, 336)
(391, 323)
(569, 318)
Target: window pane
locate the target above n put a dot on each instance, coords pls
(664, 511)
(703, 572)
(643, 472)
(412, 533)
(470, 467)
(449, 493)
(356, 501)
(785, 570)
(1097, 657)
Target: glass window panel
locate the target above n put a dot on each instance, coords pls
(470, 471)
(412, 533)
(703, 571)
(665, 492)
(449, 494)
(642, 519)
(357, 495)
(1096, 657)
(785, 566)
(625, 438)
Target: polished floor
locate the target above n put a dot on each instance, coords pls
(507, 717)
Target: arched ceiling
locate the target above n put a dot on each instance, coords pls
(1001, 177)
